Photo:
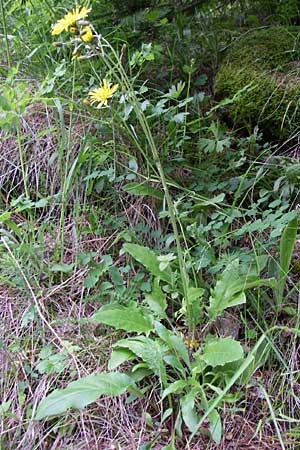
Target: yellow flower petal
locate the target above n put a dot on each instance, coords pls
(69, 20)
(86, 34)
(59, 27)
(101, 95)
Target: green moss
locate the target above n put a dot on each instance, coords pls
(263, 60)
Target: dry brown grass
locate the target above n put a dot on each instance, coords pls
(42, 136)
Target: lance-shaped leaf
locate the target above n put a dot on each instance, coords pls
(143, 189)
(228, 291)
(149, 260)
(82, 392)
(157, 300)
(188, 410)
(287, 242)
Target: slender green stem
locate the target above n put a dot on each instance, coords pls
(5, 34)
(64, 190)
(23, 171)
(186, 106)
(269, 403)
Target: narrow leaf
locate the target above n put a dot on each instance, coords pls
(149, 259)
(174, 342)
(287, 242)
(143, 189)
(157, 300)
(215, 426)
(188, 410)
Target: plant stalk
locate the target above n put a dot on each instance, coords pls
(5, 34)
(123, 79)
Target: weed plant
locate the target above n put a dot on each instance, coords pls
(149, 265)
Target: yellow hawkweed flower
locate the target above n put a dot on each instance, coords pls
(68, 22)
(103, 93)
(86, 34)
(191, 344)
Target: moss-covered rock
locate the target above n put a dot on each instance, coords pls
(267, 62)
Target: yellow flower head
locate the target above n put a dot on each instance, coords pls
(103, 93)
(86, 34)
(68, 22)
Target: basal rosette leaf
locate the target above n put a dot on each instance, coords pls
(82, 392)
(127, 318)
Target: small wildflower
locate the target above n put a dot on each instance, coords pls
(68, 22)
(192, 344)
(103, 93)
(86, 34)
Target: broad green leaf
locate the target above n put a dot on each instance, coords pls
(82, 392)
(150, 351)
(195, 294)
(116, 276)
(215, 426)
(90, 281)
(222, 351)
(157, 300)
(143, 189)
(128, 318)
(188, 411)
(41, 203)
(149, 259)
(119, 356)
